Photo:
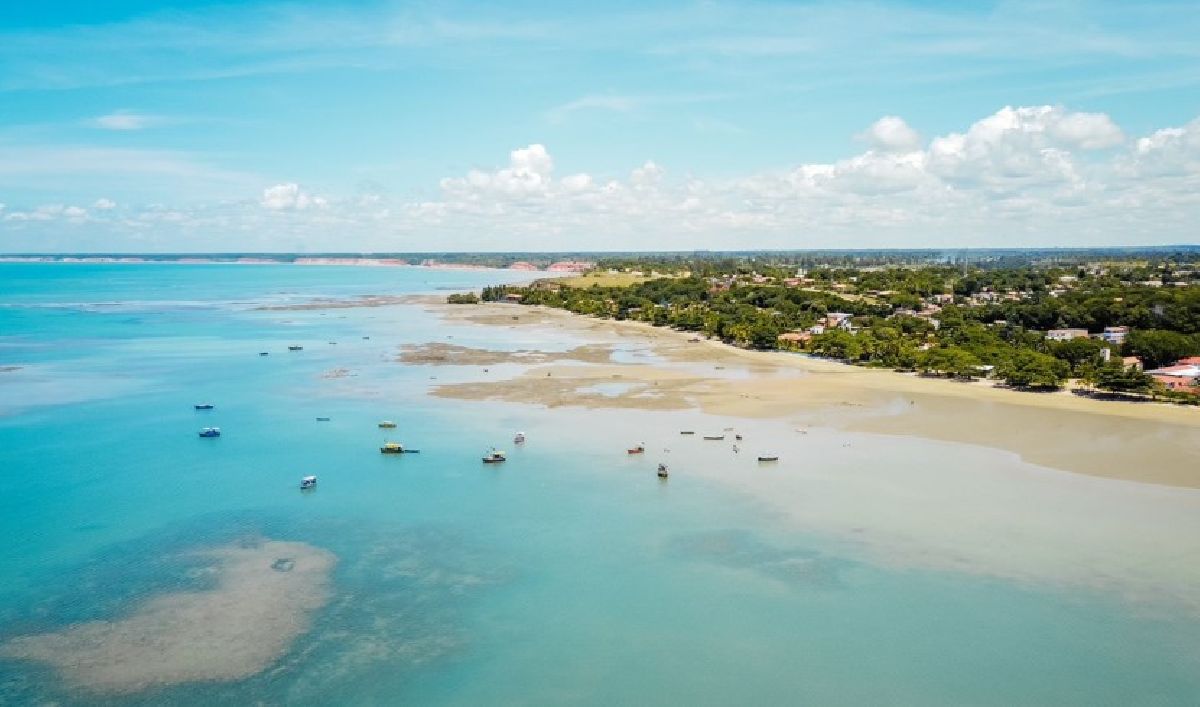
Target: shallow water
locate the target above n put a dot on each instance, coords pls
(570, 574)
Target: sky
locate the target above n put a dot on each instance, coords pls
(138, 126)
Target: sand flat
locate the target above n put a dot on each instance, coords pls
(1140, 441)
(263, 600)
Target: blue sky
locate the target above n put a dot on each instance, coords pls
(398, 126)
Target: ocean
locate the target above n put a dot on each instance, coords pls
(568, 575)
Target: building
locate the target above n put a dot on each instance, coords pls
(1066, 334)
(1134, 361)
(1183, 376)
(1115, 334)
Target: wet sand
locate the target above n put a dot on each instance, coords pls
(1147, 442)
(264, 596)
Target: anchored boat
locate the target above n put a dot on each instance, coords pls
(519, 438)
(494, 456)
(203, 406)
(641, 448)
(387, 424)
(392, 448)
(210, 432)
(714, 437)
(768, 457)
(662, 471)
(308, 482)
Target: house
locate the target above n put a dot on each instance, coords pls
(1128, 361)
(1182, 376)
(512, 297)
(837, 319)
(1115, 334)
(1066, 334)
(798, 338)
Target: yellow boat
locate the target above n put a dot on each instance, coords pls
(392, 448)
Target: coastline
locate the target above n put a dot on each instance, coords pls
(1135, 441)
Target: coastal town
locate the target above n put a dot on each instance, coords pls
(1107, 328)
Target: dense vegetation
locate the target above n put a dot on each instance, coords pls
(937, 319)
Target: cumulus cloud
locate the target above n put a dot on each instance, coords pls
(891, 134)
(289, 197)
(104, 204)
(1033, 175)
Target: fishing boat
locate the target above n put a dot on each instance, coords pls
(295, 348)
(662, 471)
(641, 448)
(519, 439)
(494, 456)
(322, 419)
(768, 457)
(210, 432)
(264, 353)
(714, 437)
(392, 448)
(308, 482)
(686, 432)
(203, 406)
(387, 424)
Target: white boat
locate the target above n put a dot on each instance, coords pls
(210, 432)
(662, 471)
(308, 482)
(494, 456)
(519, 439)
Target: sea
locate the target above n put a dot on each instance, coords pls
(569, 575)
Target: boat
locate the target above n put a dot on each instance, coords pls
(494, 456)
(366, 337)
(203, 406)
(662, 471)
(738, 437)
(686, 432)
(714, 437)
(638, 449)
(295, 348)
(519, 439)
(322, 419)
(264, 353)
(387, 424)
(392, 448)
(768, 457)
(210, 432)
(308, 482)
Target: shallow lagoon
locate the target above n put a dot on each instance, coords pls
(568, 575)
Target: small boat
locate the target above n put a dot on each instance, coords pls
(387, 424)
(768, 457)
(366, 337)
(264, 353)
(322, 419)
(519, 439)
(495, 456)
(333, 343)
(308, 482)
(686, 432)
(210, 432)
(738, 437)
(203, 406)
(662, 471)
(295, 348)
(392, 448)
(638, 449)
(714, 437)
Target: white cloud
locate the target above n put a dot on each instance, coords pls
(891, 134)
(289, 197)
(104, 204)
(584, 104)
(125, 120)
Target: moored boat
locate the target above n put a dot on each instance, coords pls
(264, 353)
(714, 437)
(519, 438)
(295, 348)
(392, 448)
(768, 457)
(687, 432)
(308, 482)
(322, 419)
(494, 456)
(203, 406)
(662, 471)
(639, 449)
(387, 424)
(210, 432)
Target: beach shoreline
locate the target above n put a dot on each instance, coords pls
(1136, 441)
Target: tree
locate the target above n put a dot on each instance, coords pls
(1030, 369)
(1077, 351)
(837, 343)
(950, 361)
(1117, 379)
(1158, 348)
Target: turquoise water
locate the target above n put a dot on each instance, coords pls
(567, 576)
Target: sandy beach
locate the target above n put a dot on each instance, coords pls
(1146, 442)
